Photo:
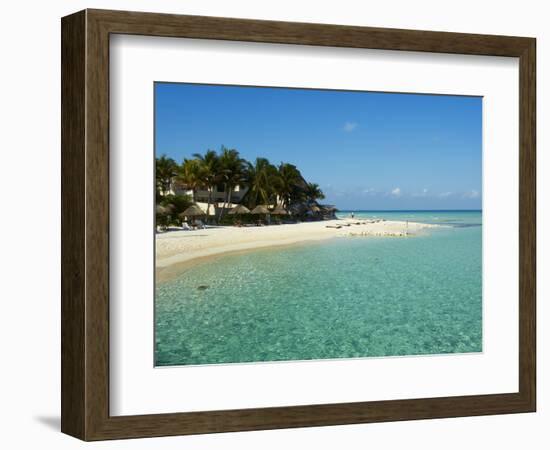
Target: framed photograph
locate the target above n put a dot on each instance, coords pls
(273, 225)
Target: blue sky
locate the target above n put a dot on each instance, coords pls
(366, 150)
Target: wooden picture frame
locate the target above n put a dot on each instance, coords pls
(85, 224)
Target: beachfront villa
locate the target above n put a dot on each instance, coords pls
(217, 199)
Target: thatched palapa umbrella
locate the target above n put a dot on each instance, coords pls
(239, 209)
(279, 210)
(260, 209)
(193, 211)
(160, 217)
(315, 209)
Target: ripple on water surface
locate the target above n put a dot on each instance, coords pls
(343, 298)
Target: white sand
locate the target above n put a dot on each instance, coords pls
(178, 247)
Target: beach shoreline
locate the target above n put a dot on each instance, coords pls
(176, 251)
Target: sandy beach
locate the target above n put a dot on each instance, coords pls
(176, 249)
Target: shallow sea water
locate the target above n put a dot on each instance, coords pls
(342, 298)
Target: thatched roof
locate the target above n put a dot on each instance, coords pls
(239, 209)
(165, 209)
(260, 209)
(315, 208)
(279, 210)
(193, 210)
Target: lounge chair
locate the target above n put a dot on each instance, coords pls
(199, 225)
(333, 226)
(185, 227)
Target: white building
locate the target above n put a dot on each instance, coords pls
(217, 197)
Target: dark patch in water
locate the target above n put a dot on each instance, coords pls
(202, 287)
(466, 225)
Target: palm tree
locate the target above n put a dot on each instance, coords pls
(232, 169)
(288, 184)
(210, 173)
(260, 178)
(166, 170)
(313, 192)
(191, 175)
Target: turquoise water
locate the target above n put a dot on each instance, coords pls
(343, 298)
(452, 218)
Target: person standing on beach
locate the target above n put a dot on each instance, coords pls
(352, 215)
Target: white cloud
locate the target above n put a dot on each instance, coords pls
(396, 192)
(349, 127)
(424, 193)
(370, 191)
(445, 194)
(471, 194)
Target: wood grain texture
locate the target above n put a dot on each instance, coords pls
(527, 224)
(85, 224)
(97, 225)
(73, 319)
(201, 27)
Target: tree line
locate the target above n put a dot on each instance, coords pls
(267, 184)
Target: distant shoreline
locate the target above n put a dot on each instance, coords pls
(407, 210)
